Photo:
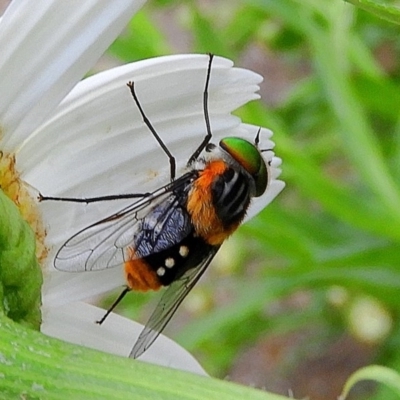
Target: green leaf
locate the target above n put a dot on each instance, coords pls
(243, 306)
(141, 39)
(33, 366)
(385, 11)
(332, 66)
(360, 141)
(20, 273)
(242, 28)
(206, 36)
(376, 373)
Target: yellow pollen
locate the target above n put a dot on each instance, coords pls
(14, 187)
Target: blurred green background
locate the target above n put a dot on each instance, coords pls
(307, 292)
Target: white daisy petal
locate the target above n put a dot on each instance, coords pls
(100, 115)
(47, 46)
(260, 203)
(75, 323)
(60, 288)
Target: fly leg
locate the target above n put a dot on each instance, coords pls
(208, 136)
(172, 161)
(88, 200)
(113, 305)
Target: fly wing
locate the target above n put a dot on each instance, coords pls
(105, 243)
(170, 301)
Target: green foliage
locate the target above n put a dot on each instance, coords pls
(384, 9)
(20, 273)
(337, 130)
(376, 373)
(33, 366)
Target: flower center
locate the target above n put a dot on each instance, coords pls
(17, 190)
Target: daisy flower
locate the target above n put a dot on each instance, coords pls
(64, 137)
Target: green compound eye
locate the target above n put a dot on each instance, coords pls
(248, 156)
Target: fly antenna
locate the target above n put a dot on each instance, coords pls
(257, 138)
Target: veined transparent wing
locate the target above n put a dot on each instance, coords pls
(170, 301)
(104, 244)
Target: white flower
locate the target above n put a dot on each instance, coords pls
(87, 139)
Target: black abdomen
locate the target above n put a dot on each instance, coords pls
(172, 263)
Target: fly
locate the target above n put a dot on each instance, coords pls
(168, 237)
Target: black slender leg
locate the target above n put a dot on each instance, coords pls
(88, 200)
(208, 136)
(172, 162)
(116, 302)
